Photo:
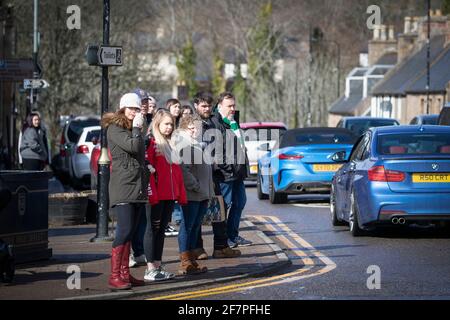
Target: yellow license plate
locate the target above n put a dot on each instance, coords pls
(326, 167)
(431, 177)
(253, 169)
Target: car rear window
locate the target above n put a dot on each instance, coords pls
(359, 127)
(414, 144)
(93, 134)
(76, 127)
(294, 139)
(263, 133)
(430, 120)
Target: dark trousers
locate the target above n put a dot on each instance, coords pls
(193, 214)
(33, 164)
(137, 243)
(159, 217)
(127, 222)
(220, 235)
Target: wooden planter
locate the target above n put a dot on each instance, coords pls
(67, 209)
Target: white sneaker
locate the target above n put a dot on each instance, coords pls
(232, 244)
(137, 261)
(132, 261)
(157, 275)
(170, 231)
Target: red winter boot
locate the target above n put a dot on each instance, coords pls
(115, 281)
(125, 268)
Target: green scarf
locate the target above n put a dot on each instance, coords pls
(236, 130)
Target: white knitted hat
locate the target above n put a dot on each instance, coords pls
(130, 100)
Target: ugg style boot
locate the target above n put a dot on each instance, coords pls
(200, 254)
(125, 268)
(186, 265)
(200, 268)
(115, 280)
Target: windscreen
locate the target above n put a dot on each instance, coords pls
(414, 144)
(76, 127)
(293, 138)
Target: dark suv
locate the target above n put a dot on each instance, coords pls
(358, 125)
(444, 116)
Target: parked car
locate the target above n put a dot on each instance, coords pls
(358, 125)
(425, 119)
(80, 156)
(70, 134)
(444, 115)
(304, 162)
(96, 152)
(395, 176)
(259, 138)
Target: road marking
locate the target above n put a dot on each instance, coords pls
(271, 281)
(310, 205)
(327, 261)
(306, 260)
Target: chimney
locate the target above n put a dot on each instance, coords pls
(438, 26)
(376, 32)
(407, 40)
(383, 42)
(391, 33)
(407, 25)
(415, 24)
(383, 33)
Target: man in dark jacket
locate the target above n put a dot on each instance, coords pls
(231, 161)
(203, 107)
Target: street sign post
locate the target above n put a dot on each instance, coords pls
(109, 56)
(35, 84)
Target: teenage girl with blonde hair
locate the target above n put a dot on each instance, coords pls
(167, 188)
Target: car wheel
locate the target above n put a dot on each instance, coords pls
(355, 229)
(276, 197)
(260, 194)
(334, 219)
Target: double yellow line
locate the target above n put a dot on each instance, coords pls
(307, 260)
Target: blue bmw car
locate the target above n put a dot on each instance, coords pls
(304, 162)
(397, 175)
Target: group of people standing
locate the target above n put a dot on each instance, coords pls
(156, 171)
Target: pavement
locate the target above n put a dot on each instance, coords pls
(48, 280)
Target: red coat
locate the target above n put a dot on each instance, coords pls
(167, 182)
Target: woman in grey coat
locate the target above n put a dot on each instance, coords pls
(197, 175)
(33, 147)
(128, 183)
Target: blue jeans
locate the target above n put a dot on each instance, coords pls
(192, 217)
(234, 196)
(177, 213)
(137, 243)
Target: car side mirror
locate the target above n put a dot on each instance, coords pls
(264, 147)
(339, 156)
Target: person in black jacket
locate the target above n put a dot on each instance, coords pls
(203, 106)
(231, 161)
